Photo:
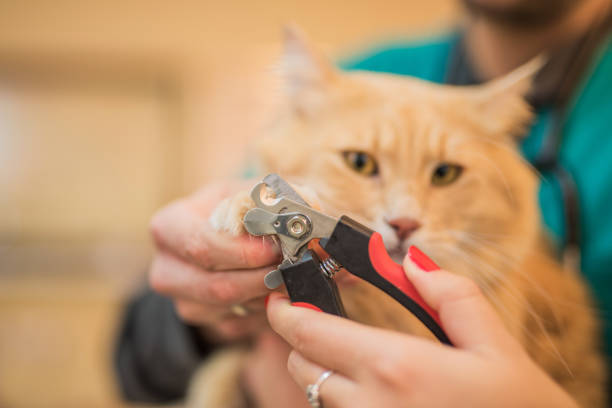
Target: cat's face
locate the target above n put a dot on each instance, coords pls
(424, 165)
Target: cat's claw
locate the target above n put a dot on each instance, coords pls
(228, 215)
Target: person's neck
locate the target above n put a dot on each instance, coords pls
(496, 49)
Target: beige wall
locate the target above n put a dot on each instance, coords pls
(108, 109)
(201, 43)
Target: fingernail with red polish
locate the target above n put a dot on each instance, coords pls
(307, 306)
(421, 260)
(266, 300)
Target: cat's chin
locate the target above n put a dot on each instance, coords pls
(345, 279)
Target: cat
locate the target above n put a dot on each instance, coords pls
(438, 167)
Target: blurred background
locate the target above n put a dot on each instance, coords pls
(108, 110)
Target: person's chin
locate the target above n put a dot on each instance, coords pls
(497, 4)
(521, 13)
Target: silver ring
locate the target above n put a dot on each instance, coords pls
(239, 310)
(312, 391)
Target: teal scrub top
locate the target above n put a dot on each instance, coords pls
(586, 151)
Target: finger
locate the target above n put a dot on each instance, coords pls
(231, 329)
(228, 328)
(198, 313)
(239, 327)
(335, 391)
(268, 355)
(467, 317)
(256, 305)
(323, 339)
(171, 276)
(183, 229)
(266, 369)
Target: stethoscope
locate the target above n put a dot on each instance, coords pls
(547, 160)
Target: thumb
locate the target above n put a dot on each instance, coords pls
(466, 316)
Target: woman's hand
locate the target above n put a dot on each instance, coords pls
(379, 368)
(208, 273)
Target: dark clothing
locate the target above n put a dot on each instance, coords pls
(156, 353)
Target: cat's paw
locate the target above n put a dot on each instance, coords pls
(228, 214)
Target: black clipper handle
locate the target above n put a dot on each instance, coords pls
(306, 284)
(362, 253)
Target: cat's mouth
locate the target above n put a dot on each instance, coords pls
(397, 254)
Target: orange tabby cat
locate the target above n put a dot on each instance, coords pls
(437, 167)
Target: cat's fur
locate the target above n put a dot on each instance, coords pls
(485, 225)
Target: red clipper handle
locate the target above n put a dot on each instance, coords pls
(394, 273)
(362, 253)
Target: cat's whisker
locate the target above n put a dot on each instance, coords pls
(488, 248)
(552, 303)
(484, 284)
(494, 250)
(518, 297)
(513, 265)
(500, 173)
(515, 295)
(489, 290)
(488, 241)
(514, 152)
(488, 234)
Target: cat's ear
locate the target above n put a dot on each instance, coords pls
(307, 73)
(501, 104)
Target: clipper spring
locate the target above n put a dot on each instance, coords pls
(330, 267)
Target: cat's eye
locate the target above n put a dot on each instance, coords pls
(361, 162)
(445, 173)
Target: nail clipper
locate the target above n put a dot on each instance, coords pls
(316, 246)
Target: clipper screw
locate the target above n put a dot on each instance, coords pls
(298, 226)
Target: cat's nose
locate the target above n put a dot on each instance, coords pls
(404, 226)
